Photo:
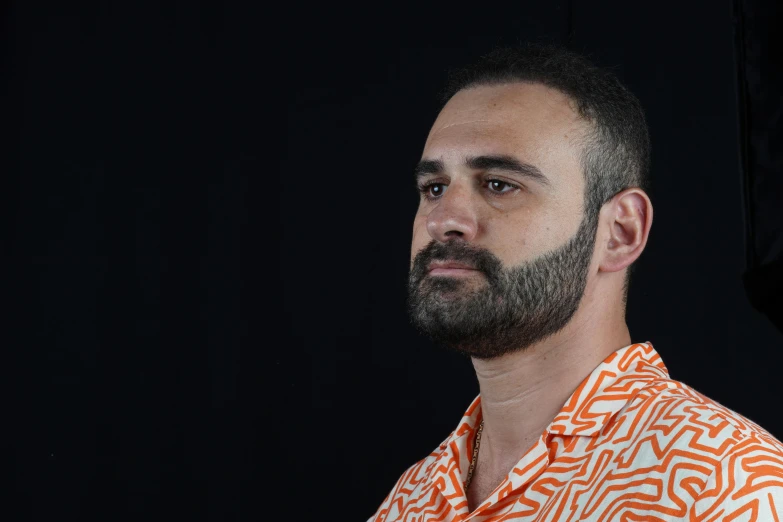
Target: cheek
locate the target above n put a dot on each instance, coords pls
(525, 236)
(420, 237)
(512, 239)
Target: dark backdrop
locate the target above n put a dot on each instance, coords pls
(206, 322)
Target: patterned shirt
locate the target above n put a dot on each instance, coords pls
(630, 444)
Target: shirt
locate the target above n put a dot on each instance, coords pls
(630, 444)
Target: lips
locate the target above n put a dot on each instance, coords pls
(454, 268)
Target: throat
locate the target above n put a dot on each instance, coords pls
(481, 487)
(492, 470)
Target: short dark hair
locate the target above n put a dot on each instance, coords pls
(616, 152)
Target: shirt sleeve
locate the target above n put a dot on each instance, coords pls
(747, 485)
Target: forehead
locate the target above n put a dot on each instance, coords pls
(532, 122)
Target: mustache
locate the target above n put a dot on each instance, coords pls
(457, 251)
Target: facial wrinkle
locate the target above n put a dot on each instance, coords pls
(457, 124)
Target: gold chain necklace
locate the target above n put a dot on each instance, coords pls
(475, 455)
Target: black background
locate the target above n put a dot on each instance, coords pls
(207, 322)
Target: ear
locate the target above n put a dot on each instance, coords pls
(624, 227)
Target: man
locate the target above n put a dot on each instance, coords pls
(533, 207)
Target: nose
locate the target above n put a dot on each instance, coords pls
(454, 216)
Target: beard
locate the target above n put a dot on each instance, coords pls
(512, 309)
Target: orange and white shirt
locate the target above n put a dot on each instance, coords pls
(630, 444)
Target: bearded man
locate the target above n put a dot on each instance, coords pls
(533, 208)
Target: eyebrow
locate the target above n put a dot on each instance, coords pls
(428, 167)
(492, 162)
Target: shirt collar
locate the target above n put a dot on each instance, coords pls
(600, 396)
(608, 389)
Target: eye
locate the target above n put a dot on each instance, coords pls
(432, 190)
(435, 189)
(500, 187)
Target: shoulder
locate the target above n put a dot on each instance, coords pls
(673, 406)
(735, 466)
(413, 484)
(667, 422)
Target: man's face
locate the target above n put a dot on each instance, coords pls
(501, 247)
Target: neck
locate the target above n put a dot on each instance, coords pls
(522, 392)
